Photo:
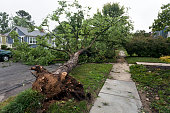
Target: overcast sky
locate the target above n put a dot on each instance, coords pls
(142, 12)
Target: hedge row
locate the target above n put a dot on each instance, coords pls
(153, 47)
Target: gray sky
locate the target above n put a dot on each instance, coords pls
(142, 12)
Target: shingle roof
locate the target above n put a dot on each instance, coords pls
(36, 33)
(26, 32)
(33, 33)
(6, 34)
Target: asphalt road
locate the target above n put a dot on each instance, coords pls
(16, 77)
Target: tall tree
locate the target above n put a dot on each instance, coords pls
(113, 10)
(118, 34)
(4, 22)
(23, 19)
(163, 19)
(24, 14)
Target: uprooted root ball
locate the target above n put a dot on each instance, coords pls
(57, 87)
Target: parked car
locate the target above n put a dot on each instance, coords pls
(5, 55)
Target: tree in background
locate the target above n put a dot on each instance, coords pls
(119, 33)
(141, 33)
(4, 22)
(113, 10)
(163, 19)
(23, 19)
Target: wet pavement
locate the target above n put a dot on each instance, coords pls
(16, 77)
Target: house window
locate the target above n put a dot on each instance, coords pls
(22, 38)
(32, 40)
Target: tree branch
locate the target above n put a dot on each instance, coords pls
(94, 40)
(65, 51)
(55, 36)
(58, 40)
(66, 38)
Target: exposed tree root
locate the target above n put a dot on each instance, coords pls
(57, 87)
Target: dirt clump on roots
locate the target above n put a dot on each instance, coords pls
(57, 87)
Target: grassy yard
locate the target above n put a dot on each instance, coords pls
(92, 76)
(133, 60)
(155, 84)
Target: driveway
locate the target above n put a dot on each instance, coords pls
(16, 77)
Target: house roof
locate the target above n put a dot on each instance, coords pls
(26, 32)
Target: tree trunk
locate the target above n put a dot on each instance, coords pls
(69, 65)
(59, 85)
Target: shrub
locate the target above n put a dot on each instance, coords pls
(26, 102)
(4, 47)
(153, 47)
(97, 56)
(165, 58)
(100, 52)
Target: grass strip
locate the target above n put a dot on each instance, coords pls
(133, 60)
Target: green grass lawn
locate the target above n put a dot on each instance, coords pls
(133, 60)
(92, 76)
(155, 84)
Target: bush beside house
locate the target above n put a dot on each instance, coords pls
(4, 47)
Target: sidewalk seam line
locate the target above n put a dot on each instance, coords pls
(120, 96)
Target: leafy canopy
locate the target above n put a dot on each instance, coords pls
(75, 29)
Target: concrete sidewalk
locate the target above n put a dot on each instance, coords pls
(118, 95)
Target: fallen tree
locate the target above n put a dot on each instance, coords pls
(59, 85)
(72, 37)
